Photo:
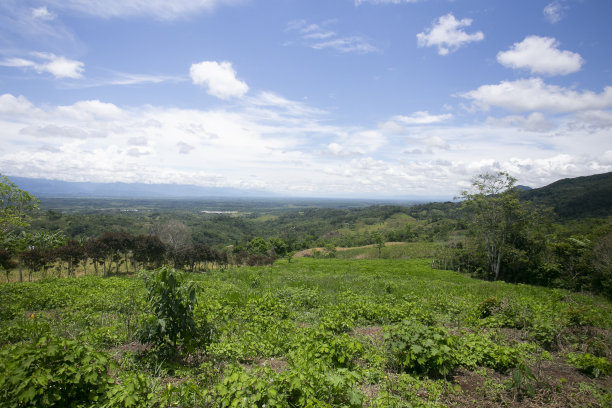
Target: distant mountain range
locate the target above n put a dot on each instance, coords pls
(57, 188)
(580, 197)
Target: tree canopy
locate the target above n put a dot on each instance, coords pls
(15, 205)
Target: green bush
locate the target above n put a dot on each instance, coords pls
(589, 364)
(478, 350)
(172, 302)
(53, 372)
(420, 349)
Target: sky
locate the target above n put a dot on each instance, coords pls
(313, 98)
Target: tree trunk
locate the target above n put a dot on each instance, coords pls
(20, 271)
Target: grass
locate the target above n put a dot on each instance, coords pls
(329, 333)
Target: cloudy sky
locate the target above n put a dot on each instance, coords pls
(368, 98)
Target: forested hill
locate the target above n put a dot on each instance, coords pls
(580, 197)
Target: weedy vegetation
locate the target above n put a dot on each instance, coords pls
(305, 333)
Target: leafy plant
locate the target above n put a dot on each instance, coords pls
(172, 302)
(133, 392)
(589, 364)
(53, 372)
(522, 382)
(420, 349)
(478, 350)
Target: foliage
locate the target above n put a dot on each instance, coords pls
(479, 350)
(15, 206)
(419, 349)
(312, 333)
(498, 217)
(172, 301)
(53, 372)
(589, 364)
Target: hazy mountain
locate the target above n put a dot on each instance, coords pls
(58, 188)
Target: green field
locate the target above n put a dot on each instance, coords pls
(309, 333)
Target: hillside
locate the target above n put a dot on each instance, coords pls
(310, 333)
(579, 197)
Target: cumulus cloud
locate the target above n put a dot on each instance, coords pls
(12, 105)
(159, 9)
(60, 67)
(219, 78)
(318, 37)
(534, 94)
(553, 12)
(448, 35)
(540, 55)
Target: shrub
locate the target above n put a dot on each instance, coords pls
(172, 302)
(53, 372)
(478, 350)
(419, 349)
(589, 364)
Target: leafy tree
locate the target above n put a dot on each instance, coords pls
(258, 246)
(72, 253)
(497, 215)
(149, 250)
(279, 246)
(15, 205)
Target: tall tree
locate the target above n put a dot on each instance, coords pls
(496, 215)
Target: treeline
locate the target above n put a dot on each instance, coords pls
(53, 254)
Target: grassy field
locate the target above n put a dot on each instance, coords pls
(310, 333)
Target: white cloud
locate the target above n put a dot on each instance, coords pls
(54, 131)
(270, 142)
(58, 66)
(357, 143)
(43, 13)
(319, 38)
(540, 55)
(346, 45)
(12, 105)
(535, 122)
(219, 78)
(89, 110)
(446, 33)
(184, 148)
(553, 12)
(159, 9)
(534, 94)
(596, 119)
(421, 118)
(436, 141)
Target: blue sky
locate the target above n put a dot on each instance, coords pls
(336, 98)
